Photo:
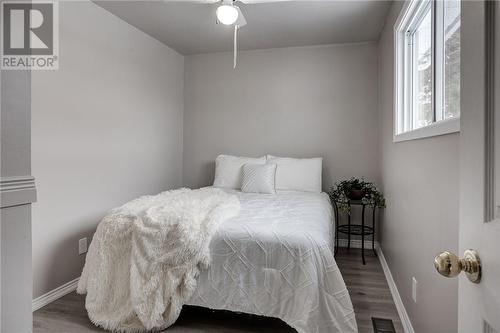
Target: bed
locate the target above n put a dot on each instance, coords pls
(260, 241)
(275, 259)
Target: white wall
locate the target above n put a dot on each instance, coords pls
(421, 185)
(106, 128)
(303, 102)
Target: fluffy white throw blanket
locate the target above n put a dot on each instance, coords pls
(145, 256)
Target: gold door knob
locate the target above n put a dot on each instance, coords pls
(449, 265)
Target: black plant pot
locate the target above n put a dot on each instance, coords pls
(356, 194)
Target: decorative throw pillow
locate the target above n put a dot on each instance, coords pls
(228, 170)
(259, 178)
(297, 174)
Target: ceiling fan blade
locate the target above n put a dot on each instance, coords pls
(241, 21)
(194, 1)
(249, 2)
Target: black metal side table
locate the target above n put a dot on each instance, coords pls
(355, 229)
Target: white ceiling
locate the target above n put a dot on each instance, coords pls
(190, 28)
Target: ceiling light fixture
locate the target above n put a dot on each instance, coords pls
(227, 14)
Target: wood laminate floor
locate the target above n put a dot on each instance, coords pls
(367, 286)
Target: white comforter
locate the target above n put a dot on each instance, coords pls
(145, 255)
(275, 259)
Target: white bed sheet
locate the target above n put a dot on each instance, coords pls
(275, 259)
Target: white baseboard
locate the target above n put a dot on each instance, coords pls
(356, 243)
(403, 315)
(55, 294)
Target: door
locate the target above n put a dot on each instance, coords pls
(479, 304)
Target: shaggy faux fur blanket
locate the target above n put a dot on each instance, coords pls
(145, 256)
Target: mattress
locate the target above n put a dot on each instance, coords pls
(275, 259)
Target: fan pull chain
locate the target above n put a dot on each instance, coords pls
(235, 51)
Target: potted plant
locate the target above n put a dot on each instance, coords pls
(356, 189)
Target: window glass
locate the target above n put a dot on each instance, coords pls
(427, 85)
(451, 59)
(422, 68)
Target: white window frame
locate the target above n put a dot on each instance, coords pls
(411, 13)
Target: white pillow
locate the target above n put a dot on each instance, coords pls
(259, 178)
(228, 170)
(297, 174)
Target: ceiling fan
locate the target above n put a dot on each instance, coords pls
(228, 13)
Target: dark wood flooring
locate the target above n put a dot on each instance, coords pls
(367, 286)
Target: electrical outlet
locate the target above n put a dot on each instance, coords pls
(82, 246)
(414, 285)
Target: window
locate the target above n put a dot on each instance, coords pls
(427, 60)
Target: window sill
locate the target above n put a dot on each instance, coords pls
(439, 128)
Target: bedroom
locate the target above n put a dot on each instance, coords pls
(147, 95)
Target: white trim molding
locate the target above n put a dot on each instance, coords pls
(55, 294)
(437, 128)
(403, 315)
(401, 92)
(15, 191)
